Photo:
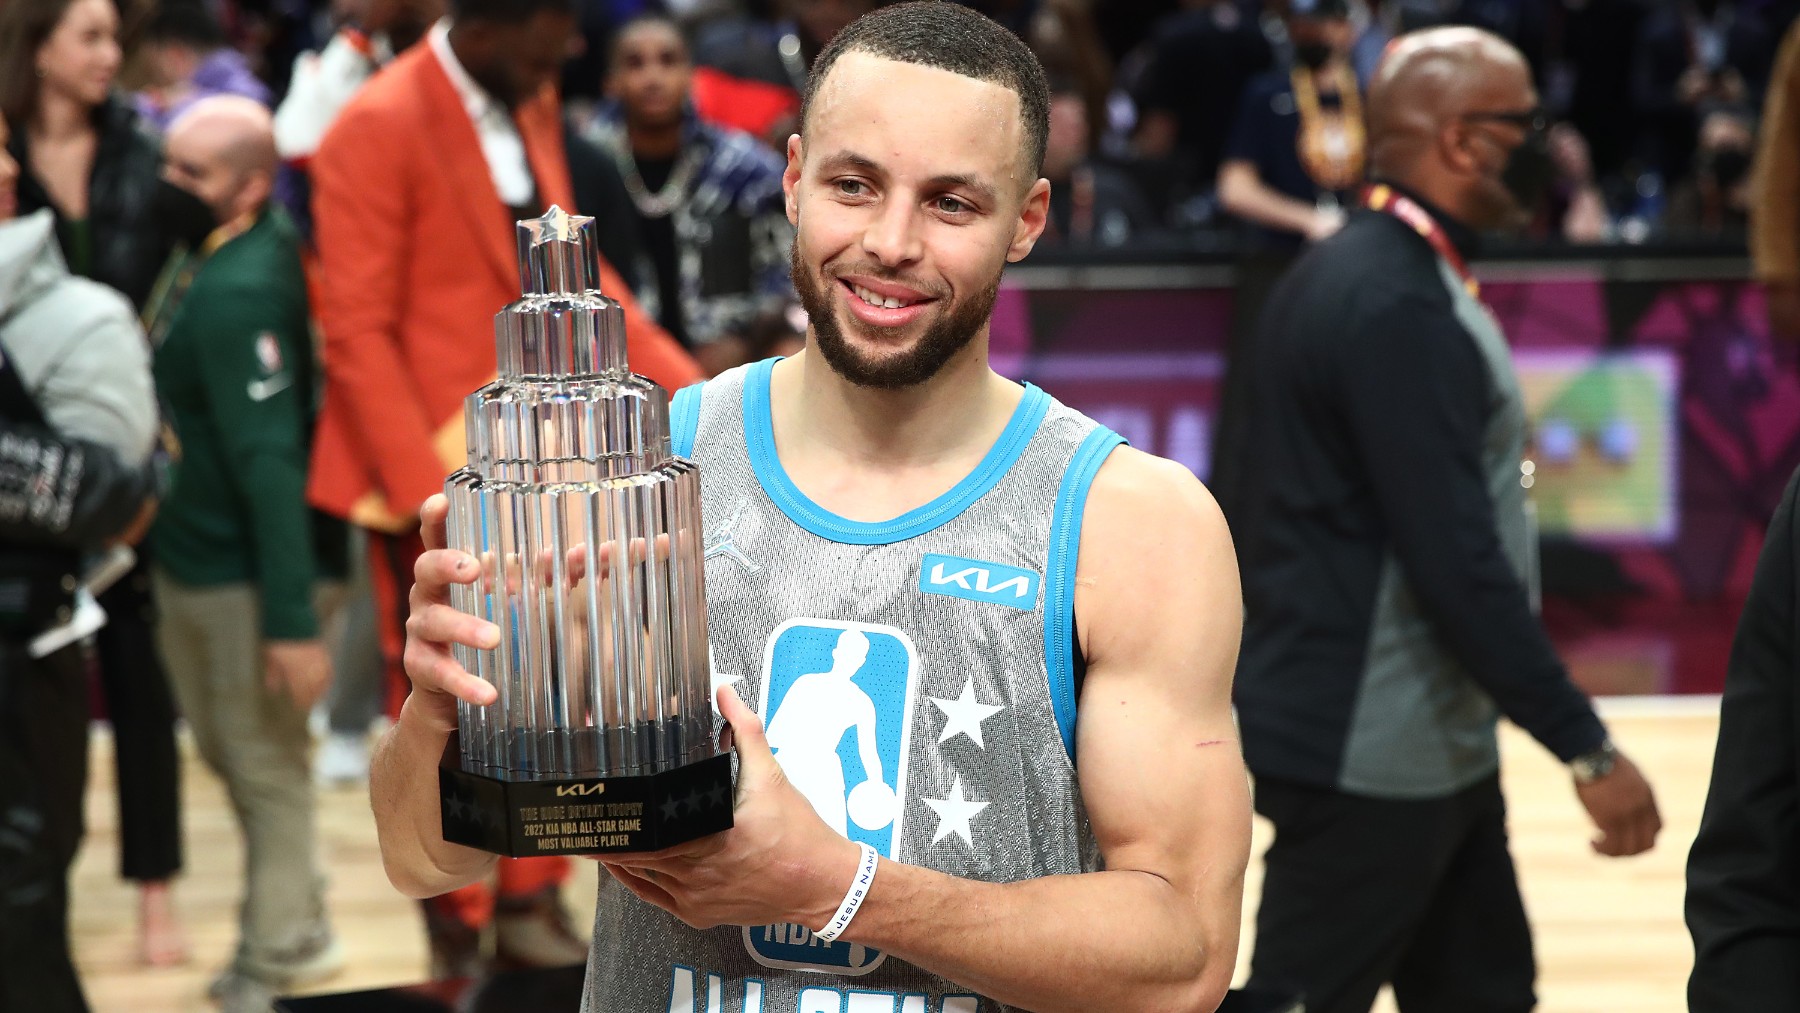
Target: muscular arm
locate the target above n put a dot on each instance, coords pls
(1161, 775)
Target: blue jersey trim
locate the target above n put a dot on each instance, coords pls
(759, 439)
(684, 419)
(1059, 578)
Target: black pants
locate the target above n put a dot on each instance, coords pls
(43, 768)
(142, 711)
(1361, 892)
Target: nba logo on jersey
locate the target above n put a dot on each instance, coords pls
(837, 701)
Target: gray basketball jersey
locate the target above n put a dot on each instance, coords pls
(916, 677)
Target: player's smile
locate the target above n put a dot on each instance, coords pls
(883, 304)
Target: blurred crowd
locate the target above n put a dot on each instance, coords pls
(250, 249)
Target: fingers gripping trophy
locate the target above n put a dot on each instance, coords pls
(588, 532)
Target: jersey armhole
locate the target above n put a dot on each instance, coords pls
(684, 419)
(1060, 649)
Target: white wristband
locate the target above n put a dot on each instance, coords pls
(859, 889)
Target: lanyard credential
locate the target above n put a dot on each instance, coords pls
(1387, 200)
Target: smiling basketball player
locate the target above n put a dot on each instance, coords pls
(1002, 642)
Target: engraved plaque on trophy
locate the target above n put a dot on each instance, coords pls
(587, 529)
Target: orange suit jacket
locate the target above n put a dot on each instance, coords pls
(416, 255)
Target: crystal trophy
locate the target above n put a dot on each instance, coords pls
(587, 529)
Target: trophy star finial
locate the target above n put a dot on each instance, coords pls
(557, 224)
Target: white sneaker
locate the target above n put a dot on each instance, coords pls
(343, 761)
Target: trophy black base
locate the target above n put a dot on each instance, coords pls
(583, 816)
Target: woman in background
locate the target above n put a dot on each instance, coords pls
(84, 154)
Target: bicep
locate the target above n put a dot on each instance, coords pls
(1160, 607)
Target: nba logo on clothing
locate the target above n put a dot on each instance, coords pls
(837, 702)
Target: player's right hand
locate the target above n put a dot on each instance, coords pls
(1623, 808)
(438, 681)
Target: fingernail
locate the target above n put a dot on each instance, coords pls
(464, 566)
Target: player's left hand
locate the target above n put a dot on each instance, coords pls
(779, 863)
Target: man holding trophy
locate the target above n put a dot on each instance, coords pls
(942, 593)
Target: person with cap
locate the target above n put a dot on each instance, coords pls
(1387, 579)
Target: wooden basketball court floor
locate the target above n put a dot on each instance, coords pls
(1609, 933)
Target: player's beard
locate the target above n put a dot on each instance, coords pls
(944, 337)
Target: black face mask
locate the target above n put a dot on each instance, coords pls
(1528, 171)
(180, 215)
(1312, 55)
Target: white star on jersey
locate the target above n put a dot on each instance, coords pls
(964, 715)
(954, 813)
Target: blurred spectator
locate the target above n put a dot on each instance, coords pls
(1694, 57)
(1091, 203)
(84, 152)
(1296, 151)
(1297, 147)
(189, 61)
(1577, 210)
(1715, 198)
(79, 421)
(1775, 197)
(1189, 91)
(235, 567)
(1592, 84)
(1063, 35)
(751, 71)
(370, 32)
(373, 31)
(92, 161)
(458, 137)
(707, 200)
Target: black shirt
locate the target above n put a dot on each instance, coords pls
(658, 236)
(1266, 134)
(1371, 463)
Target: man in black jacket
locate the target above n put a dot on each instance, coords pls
(1743, 899)
(1388, 566)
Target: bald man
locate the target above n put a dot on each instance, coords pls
(236, 568)
(1389, 569)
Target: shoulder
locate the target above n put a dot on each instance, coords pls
(1156, 554)
(388, 98)
(86, 309)
(1138, 500)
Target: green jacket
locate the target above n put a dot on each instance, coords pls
(234, 367)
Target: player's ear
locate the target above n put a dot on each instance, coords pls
(790, 179)
(1034, 214)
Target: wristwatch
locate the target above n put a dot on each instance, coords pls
(1594, 764)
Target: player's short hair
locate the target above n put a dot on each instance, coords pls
(948, 36)
(507, 12)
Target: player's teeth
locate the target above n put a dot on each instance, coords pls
(887, 302)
